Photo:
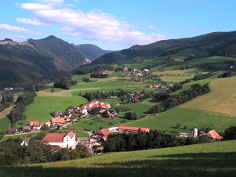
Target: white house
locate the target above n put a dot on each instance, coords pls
(62, 140)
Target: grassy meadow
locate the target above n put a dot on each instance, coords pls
(96, 123)
(221, 99)
(183, 119)
(4, 124)
(205, 160)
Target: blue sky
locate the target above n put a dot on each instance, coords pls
(114, 24)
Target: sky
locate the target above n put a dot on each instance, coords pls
(114, 24)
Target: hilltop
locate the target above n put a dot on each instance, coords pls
(41, 59)
(212, 44)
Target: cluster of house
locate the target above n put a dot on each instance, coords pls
(62, 119)
(78, 112)
(134, 98)
(135, 72)
(196, 133)
(69, 140)
(96, 138)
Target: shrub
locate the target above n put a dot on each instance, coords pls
(131, 116)
(230, 133)
(204, 139)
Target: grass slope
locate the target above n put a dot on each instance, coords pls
(43, 106)
(96, 123)
(202, 160)
(4, 123)
(186, 117)
(221, 99)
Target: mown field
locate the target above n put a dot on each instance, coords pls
(221, 99)
(41, 108)
(202, 160)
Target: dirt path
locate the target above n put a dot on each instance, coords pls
(5, 112)
(27, 133)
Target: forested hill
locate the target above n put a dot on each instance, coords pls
(91, 51)
(212, 44)
(37, 59)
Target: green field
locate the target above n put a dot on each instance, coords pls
(202, 160)
(97, 123)
(186, 118)
(139, 108)
(4, 123)
(43, 106)
(222, 97)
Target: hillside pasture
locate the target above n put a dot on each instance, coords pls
(41, 108)
(93, 123)
(183, 119)
(221, 99)
(205, 160)
(4, 123)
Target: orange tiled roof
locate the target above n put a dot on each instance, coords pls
(105, 132)
(34, 123)
(133, 128)
(58, 120)
(213, 134)
(54, 137)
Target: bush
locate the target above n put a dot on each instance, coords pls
(230, 133)
(204, 139)
(131, 116)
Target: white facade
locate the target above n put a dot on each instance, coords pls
(68, 142)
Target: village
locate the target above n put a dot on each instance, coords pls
(94, 142)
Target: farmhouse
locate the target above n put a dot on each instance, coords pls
(58, 120)
(62, 140)
(120, 129)
(35, 124)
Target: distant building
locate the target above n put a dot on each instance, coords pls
(62, 140)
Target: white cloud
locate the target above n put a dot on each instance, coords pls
(13, 28)
(53, 1)
(35, 6)
(17, 29)
(29, 21)
(93, 26)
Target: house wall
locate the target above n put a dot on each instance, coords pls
(68, 142)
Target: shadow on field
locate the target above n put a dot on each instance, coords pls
(176, 165)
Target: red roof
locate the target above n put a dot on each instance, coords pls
(105, 132)
(58, 120)
(34, 123)
(133, 128)
(213, 134)
(54, 137)
(71, 134)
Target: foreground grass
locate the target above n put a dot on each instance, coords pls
(41, 108)
(186, 119)
(203, 160)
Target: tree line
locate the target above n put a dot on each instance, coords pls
(12, 152)
(6, 99)
(148, 140)
(167, 101)
(22, 101)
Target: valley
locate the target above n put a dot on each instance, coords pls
(148, 106)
